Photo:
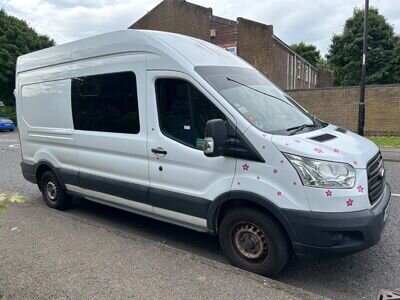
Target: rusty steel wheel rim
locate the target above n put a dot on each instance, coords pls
(250, 241)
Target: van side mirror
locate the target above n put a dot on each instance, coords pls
(215, 137)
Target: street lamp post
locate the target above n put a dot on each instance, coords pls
(361, 107)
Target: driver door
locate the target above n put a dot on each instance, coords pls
(183, 181)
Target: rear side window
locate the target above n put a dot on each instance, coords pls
(106, 102)
(184, 111)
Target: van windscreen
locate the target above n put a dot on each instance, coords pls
(260, 101)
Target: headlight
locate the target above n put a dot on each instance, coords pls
(321, 173)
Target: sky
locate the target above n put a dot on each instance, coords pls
(311, 21)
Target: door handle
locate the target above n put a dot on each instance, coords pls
(159, 150)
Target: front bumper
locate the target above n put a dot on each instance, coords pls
(338, 233)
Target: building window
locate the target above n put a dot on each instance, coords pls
(315, 78)
(306, 73)
(299, 69)
(106, 103)
(184, 111)
(232, 50)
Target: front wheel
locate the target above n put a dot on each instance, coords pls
(53, 193)
(254, 241)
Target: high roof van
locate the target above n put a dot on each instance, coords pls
(180, 130)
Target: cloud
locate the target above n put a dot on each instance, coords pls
(312, 21)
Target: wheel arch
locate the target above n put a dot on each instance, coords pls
(43, 166)
(234, 198)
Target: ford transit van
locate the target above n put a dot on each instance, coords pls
(180, 130)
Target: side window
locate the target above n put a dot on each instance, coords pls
(184, 111)
(106, 103)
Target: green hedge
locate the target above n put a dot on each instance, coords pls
(9, 112)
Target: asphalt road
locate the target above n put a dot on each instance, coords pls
(358, 276)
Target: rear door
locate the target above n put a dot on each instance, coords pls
(109, 109)
(183, 181)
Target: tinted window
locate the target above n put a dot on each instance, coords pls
(106, 103)
(184, 111)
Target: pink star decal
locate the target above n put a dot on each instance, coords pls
(349, 202)
(360, 189)
(281, 161)
(279, 193)
(318, 150)
(286, 144)
(264, 135)
(297, 141)
(245, 167)
(335, 150)
(275, 171)
(263, 147)
(294, 183)
(328, 193)
(258, 177)
(238, 183)
(355, 162)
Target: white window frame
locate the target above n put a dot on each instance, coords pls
(299, 69)
(307, 73)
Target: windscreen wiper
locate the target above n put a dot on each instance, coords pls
(299, 128)
(261, 92)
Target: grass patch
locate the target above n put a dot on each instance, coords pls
(9, 112)
(386, 141)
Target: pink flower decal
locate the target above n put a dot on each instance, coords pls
(355, 162)
(360, 189)
(349, 202)
(286, 144)
(294, 183)
(279, 193)
(318, 150)
(264, 135)
(328, 193)
(258, 177)
(281, 161)
(336, 150)
(245, 167)
(238, 183)
(297, 141)
(275, 171)
(263, 147)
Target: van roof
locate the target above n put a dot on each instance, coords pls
(190, 50)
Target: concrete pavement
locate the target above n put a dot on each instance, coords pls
(391, 154)
(46, 254)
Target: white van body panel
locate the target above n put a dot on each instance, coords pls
(45, 117)
(117, 156)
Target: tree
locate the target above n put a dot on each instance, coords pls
(394, 67)
(16, 38)
(345, 52)
(307, 51)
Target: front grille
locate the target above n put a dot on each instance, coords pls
(376, 178)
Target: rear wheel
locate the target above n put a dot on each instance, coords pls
(254, 241)
(53, 193)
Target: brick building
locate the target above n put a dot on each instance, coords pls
(254, 42)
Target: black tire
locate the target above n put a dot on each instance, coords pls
(254, 241)
(53, 193)
(11, 129)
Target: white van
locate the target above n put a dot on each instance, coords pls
(180, 130)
